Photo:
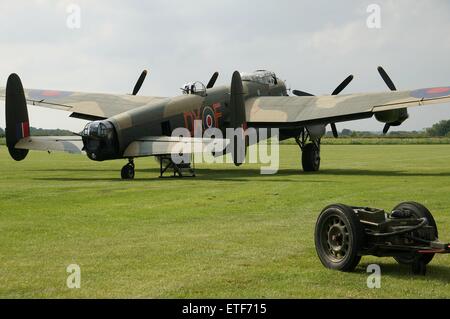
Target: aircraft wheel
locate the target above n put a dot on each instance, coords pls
(418, 211)
(339, 238)
(127, 171)
(311, 158)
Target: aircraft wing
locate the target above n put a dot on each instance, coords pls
(337, 108)
(69, 144)
(164, 145)
(89, 106)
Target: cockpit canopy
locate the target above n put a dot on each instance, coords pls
(260, 76)
(197, 88)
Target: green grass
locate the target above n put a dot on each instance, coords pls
(230, 232)
(388, 140)
(385, 140)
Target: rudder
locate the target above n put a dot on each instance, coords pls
(17, 123)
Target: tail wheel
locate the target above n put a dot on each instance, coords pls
(418, 211)
(311, 158)
(339, 238)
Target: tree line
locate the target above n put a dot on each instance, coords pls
(440, 129)
(43, 132)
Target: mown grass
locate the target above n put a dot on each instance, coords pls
(379, 141)
(230, 232)
(386, 140)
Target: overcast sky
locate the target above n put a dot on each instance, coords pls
(313, 45)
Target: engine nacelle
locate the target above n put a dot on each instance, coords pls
(392, 117)
(316, 131)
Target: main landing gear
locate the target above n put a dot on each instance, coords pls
(166, 164)
(310, 151)
(127, 171)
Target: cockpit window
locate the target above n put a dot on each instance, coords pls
(260, 76)
(102, 130)
(197, 88)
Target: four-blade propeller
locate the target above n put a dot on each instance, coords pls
(336, 91)
(391, 86)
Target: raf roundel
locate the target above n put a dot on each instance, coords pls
(208, 117)
(431, 93)
(45, 94)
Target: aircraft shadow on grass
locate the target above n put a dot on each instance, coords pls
(239, 175)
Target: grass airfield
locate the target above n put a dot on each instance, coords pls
(228, 233)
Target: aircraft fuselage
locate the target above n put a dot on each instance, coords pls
(211, 106)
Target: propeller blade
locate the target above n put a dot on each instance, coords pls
(334, 130)
(139, 82)
(213, 80)
(386, 128)
(237, 118)
(343, 85)
(301, 93)
(387, 79)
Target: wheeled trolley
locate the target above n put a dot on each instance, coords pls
(408, 234)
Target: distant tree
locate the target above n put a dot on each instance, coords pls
(346, 132)
(43, 132)
(439, 129)
(49, 132)
(408, 134)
